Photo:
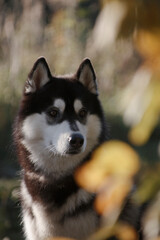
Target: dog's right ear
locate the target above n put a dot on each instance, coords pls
(87, 76)
(38, 77)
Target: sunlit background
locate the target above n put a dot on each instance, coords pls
(122, 39)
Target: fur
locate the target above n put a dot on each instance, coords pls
(59, 124)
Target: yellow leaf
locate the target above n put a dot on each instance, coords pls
(147, 43)
(111, 198)
(121, 231)
(111, 158)
(140, 133)
(126, 232)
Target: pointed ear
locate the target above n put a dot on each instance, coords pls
(87, 77)
(38, 77)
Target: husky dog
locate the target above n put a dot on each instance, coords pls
(59, 124)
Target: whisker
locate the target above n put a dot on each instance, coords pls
(51, 149)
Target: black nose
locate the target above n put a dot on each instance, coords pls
(76, 140)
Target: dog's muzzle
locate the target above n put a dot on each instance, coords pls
(76, 141)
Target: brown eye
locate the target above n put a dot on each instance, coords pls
(82, 113)
(53, 113)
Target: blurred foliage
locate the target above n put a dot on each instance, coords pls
(112, 182)
(9, 209)
(104, 165)
(111, 175)
(122, 39)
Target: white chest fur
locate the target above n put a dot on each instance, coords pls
(41, 223)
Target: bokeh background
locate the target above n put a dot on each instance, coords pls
(122, 39)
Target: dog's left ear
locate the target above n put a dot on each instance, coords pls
(87, 76)
(38, 77)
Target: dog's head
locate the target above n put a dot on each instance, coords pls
(60, 117)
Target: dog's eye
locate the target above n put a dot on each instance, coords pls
(53, 113)
(82, 113)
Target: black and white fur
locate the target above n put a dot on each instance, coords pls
(59, 124)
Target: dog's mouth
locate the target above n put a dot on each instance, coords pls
(74, 151)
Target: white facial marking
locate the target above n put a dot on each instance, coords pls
(60, 104)
(77, 105)
(94, 129)
(48, 143)
(58, 135)
(32, 127)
